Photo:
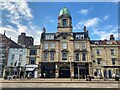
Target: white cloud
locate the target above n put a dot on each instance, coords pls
(106, 17)
(18, 14)
(84, 11)
(105, 32)
(88, 23)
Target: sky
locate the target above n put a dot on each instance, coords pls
(100, 18)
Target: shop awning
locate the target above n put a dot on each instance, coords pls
(30, 69)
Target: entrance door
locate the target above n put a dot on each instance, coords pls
(83, 73)
(64, 72)
(110, 73)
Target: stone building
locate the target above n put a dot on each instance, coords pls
(25, 40)
(65, 54)
(105, 58)
(32, 61)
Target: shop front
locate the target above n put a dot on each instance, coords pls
(47, 70)
(81, 70)
(31, 71)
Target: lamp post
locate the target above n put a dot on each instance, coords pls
(70, 68)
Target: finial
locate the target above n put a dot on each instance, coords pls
(85, 29)
(4, 32)
(44, 30)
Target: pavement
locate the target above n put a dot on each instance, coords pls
(59, 83)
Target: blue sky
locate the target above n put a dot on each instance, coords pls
(101, 18)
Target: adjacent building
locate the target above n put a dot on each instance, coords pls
(16, 62)
(5, 44)
(32, 61)
(105, 58)
(25, 40)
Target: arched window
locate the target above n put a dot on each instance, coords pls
(64, 22)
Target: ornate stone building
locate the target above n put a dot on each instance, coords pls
(65, 54)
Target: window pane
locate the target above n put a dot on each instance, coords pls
(76, 45)
(32, 60)
(51, 56)
(46, 46)
(112, 52)
(13, 56)
(98, 52)
(113, 61)
(99, 60)
(64, 45)
(49, 37)
(79, 36)
(45, 56)
(33, 52)
(64, 55)
(64, 22)
(52, 45)
(83, 45)
(77, 54)
(84, 56)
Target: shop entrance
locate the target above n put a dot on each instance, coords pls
(48, 70)
(64, 72)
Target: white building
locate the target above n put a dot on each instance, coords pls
(16, 62)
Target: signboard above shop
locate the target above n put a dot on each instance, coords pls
(34, 66)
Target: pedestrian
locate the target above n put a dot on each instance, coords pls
(44, 74)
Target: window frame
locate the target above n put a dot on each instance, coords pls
(64, 56)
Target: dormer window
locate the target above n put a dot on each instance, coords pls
(79, 36)
(49, 37)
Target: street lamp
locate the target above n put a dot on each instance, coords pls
(70, 68)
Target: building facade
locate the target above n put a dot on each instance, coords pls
(65, 54)
(5, 44)
(33, 59)
(16, 62)
(105, 58)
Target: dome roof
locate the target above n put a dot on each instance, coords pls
(64, 11)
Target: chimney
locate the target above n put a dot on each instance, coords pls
(112, 37)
